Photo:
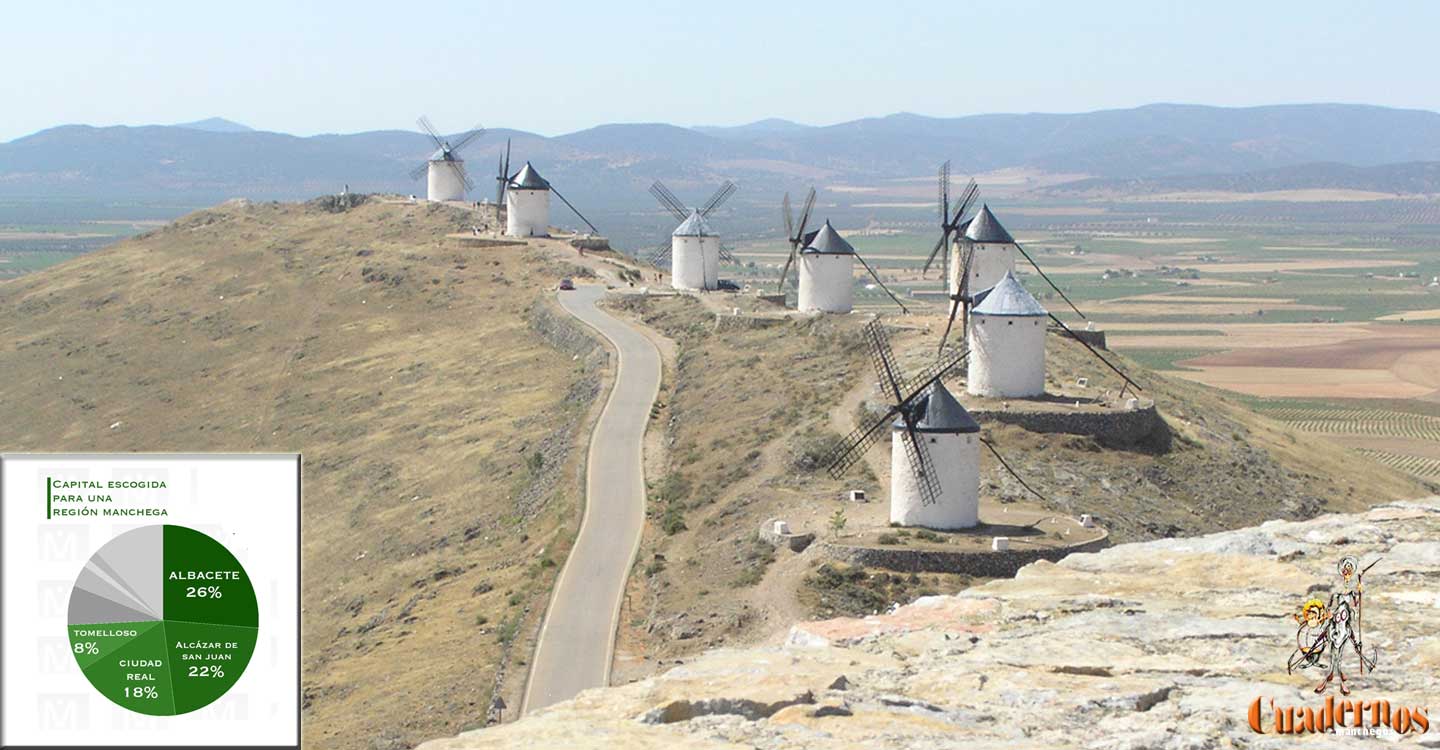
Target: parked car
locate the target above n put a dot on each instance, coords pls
(566, 285)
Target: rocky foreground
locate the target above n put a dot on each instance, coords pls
(1152, 645)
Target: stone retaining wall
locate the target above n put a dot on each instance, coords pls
(1093, 338)
(560, 330)
(796, 542)
(485, 242)
(728, 322)
(1120, 428)
(985, 564)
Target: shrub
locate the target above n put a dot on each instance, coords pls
(889, 539)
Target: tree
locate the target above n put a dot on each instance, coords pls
(837, 522)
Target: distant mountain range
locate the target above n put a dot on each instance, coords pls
(608, 168)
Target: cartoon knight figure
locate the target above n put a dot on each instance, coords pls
(1327, 629)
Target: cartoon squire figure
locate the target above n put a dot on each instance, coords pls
(1328, 629)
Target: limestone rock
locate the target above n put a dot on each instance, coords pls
(1159, 644)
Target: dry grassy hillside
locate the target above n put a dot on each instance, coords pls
(749, 411)
(436, 425)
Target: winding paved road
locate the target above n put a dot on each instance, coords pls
(577, 640)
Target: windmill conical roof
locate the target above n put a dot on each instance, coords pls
(986, 228)
(1009, 297)
(528, 179)
(938, 411)
(443, 155)
(827, 241)
(695, 226)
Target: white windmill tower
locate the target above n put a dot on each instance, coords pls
(952, 438)
(527, 204)
(693, 250)
(526, 196)
(991, 249)
(827, 272)
(445, 170)
(1007, 342)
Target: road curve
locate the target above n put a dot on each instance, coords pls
(577, 640)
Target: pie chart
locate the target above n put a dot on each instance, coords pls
(163, 620)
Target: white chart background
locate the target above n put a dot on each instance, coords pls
(248, 502)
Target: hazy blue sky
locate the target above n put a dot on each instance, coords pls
(555, 67)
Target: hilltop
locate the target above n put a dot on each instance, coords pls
(748, 409)
(437, 399)
(1163, 644)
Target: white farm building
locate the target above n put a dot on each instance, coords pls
(952, 438)
(827, 281)
(1007, 342)
(992, 252)
(694, 255)
(527, 204)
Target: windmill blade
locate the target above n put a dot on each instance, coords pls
(727, 255)
(502, 179)
(420, 171)
(788, 214)
(966, 298)
(1048, 281)
(667, 200)
(853, 447)
(941, 243)
(1097, 354)
(1012, 472)
(660, 256)
(927, 377)
(954, 309)
(876, 276)
(593, 230)
(789, 260)
(805, 215)
(926, 478)
(944, 199)
(718, 198)
(968, 196)
(425, 125)
(460, 170)
(882, 356)
(466, 139)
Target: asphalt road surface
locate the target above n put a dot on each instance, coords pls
(577, 640)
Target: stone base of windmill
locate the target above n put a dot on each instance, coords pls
(1005, 539)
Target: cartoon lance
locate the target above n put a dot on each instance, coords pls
(1329, 628)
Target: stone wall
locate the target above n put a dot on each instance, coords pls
(1093, 338)
(560, 330)
(796, 542)
(476, 242)
(1120, 428)
(728, 322)
(980, 563)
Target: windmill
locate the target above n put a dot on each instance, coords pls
(794, 233)
(920, 408)
(985, 231)
(951, 222)
(827, 280)
(446, 180)
(904, 394)
(693, 251)
(527, 201)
